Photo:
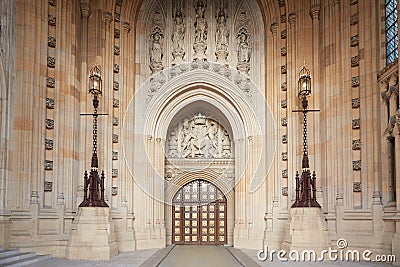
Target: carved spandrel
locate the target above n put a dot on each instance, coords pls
(199, 137)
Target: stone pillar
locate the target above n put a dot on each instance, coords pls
(92, 235)
(306, 230)
(396, 237)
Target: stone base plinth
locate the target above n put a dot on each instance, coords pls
(92, 235)
(306, 230)
(396, 248)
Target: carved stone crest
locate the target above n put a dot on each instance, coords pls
(199, 137)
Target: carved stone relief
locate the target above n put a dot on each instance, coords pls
(222, 34)
(356, 144)
(355, 102)
(116, 86)
(200, 30)
(51, 62)
(284, 156)
(114, 172)
(115, 103)
(49, 103)
(357, 187)
(356, 165)
(178, 34)
(283, 34)
(48, 186)
(355, 61)
(115, 121)
(284, 86)
(284, 103)
(283, 69)
(284, 191)
(52, 20)
(284, 173)
(284, 139)
(51, 83)
(354, 40)
(48, 164)
(356, 124)
(49, 124)
(198, 137)
(115, 138)
(355, 81)
(48, 144)
(354, 19)
(117, 33)
(115, 155)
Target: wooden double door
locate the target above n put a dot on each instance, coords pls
(199, 215)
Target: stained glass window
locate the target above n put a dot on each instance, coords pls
(392, 37)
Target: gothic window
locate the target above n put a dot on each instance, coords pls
(392, 38)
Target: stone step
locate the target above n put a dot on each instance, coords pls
(23, 262)
(16, 257)
(5, 253)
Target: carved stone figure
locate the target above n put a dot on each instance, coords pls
(178, 33)
(156, 50)
(200, 32)
(199, 137)
(243, 50)
(222, 35)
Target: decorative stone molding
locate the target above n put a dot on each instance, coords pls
(115, 121)
(116, 86)
(115, 103)
(357, 187)
(283, 51)
(49, 124)
(281, 3)
(48, 144)
(285, 174)
(34, 197)
(284, 86)
(273, 28)
(355, 81)
(116, 68)
(49, 103)
(284, 103)
(114, 173)
(156, 50)
(48, 186)
(353, 2)
(284, 139)
(199, 137)
(284, 156)
(50, 82)
(284, 121)
(51, 62)
(117, 16)
(114, 190)
(116, 50)
(242, 81)
(117, 33)
(51, 41)
(356, 144)
(354, 40)
(283, 18)
(355, 61)
(52, 20)
(354, 19)
(284, 69)
(52, 2)
(356, 165)
(355, 124)
(283, 34)
(118, 2)
(127, 26)
(115, 155)
(355, 102)
(115, 138)
(48, 165)
(284, 191)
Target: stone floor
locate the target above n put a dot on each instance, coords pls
(193, 256)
